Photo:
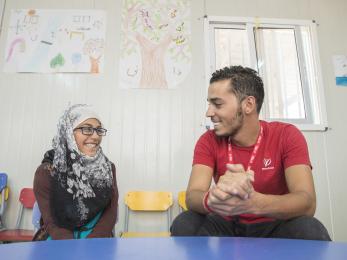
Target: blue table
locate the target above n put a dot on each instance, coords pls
(177, 248)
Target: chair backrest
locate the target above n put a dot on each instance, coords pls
(148, 201)
(27, 198)
(182, 200)
(3, 180)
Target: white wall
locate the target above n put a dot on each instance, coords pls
(153, 132)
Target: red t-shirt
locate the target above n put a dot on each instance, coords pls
(282, 146)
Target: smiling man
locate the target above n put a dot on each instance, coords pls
(261, 170)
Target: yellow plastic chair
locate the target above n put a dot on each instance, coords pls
(182, 201)
(150, 201)
(5, 192)
(3, 200)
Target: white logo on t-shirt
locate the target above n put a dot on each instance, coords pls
(267, 164)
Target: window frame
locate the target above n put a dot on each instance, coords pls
(316, 120)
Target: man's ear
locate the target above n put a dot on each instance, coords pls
(249, 105)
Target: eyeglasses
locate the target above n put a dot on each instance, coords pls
(87, 130)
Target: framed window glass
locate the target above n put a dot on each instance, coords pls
(285, 54)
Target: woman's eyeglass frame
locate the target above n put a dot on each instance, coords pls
(88, 130)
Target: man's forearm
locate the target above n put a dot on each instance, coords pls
(284, 206)
(194, 201)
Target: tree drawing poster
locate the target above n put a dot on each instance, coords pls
(155, 43)
(49, 41)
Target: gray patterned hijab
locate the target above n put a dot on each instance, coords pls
(81, 185)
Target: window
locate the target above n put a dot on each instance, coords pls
(285, 54)
(2, 11)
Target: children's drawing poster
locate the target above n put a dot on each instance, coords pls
(50, 41)
(340, 67)
(155, 43)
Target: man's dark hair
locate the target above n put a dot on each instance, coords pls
(243, 82)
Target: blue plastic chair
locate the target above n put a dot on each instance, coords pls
(3, 181)
(3, 190)
(36, 217)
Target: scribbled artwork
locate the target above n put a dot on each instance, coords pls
(49, 41)
(340, 67)
(155, 43)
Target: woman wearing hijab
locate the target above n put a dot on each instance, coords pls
(75, 186)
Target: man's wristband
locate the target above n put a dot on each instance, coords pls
(204, 202)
